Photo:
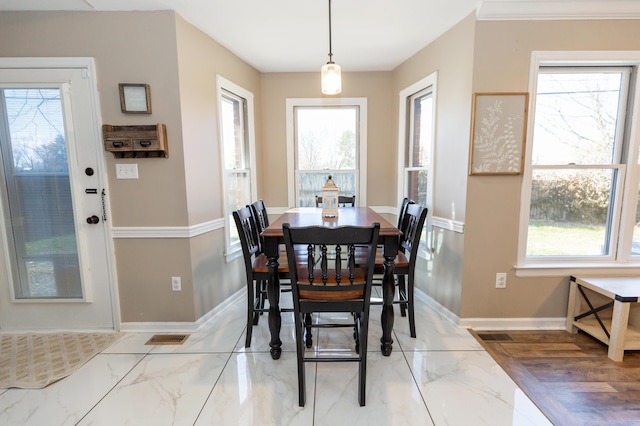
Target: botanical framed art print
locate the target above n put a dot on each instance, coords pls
(498, 129)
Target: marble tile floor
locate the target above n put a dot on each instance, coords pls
(442, 377)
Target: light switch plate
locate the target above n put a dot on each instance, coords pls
(126, 171)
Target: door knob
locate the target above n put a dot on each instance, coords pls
(93, 220)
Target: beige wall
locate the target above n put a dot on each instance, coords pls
(143, 44)
(381, 151)
(451, 56)
(200, 59)
(180, 64)
(502, 57)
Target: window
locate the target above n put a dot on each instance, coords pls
(327, 139)
(578, 205)
(419, 145)
(237, 149)
(416, 148)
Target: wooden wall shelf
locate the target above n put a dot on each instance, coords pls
(137, 141)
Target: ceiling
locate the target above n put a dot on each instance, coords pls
(368, 35)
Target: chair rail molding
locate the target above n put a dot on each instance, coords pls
(167, 231)
(448, 224)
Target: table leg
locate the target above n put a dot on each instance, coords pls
(573, 307)
(388, 292)
(619, 323)
(275, 321)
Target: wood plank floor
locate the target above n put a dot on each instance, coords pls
(568, 376)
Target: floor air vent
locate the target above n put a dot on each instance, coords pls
(167, 339)
(492, 337)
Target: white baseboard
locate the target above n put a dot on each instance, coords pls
(515, 323)
(493, 323)
(473, 323)
(182, 327)
(444, 312)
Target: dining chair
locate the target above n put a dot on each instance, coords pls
(343, 201)
(411, 226)
(403, 209)
(256, 268)
(259, 210)
(334, 284)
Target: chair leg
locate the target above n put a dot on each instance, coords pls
(308, 340)
(402, 295)
(250, 302)
(257, 302)
(356, 330)
(410, 304)
(263, 295)
(300, 356)
(363, 320)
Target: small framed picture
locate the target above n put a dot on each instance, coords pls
(498, 131)
(135, 98)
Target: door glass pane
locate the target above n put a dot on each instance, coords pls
(569, 212)
(38, 195)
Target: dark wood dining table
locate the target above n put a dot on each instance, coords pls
(347, 216)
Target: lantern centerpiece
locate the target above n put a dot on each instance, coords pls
(330, 199)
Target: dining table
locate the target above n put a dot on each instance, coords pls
(273, 237)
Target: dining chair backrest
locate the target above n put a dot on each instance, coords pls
(343, 201)
(249, 238)
(334, 283)
(412, 225)
(259, 210)
(256, 267)
(403, 208)
(332, 274)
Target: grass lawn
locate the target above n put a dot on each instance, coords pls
(65, 244)
(565, 239)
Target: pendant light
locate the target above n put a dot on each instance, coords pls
(330, 72)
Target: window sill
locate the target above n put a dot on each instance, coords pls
(568, 269)
(231, 256)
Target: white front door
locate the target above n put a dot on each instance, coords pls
(56, 265)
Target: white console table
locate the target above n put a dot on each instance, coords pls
(613, 330)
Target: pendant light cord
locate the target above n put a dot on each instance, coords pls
(330, 50)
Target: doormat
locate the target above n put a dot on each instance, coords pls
(34, 360)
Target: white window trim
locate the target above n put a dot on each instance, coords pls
(430, 80)
(234, 251)
(291, 103)
(563, 267)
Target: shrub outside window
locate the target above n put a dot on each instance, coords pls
(581, 161)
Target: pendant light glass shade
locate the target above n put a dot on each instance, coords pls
(330, 73)
(331, 79)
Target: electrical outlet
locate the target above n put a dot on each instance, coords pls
(176, 284)
(126, 171)
(501, 280)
